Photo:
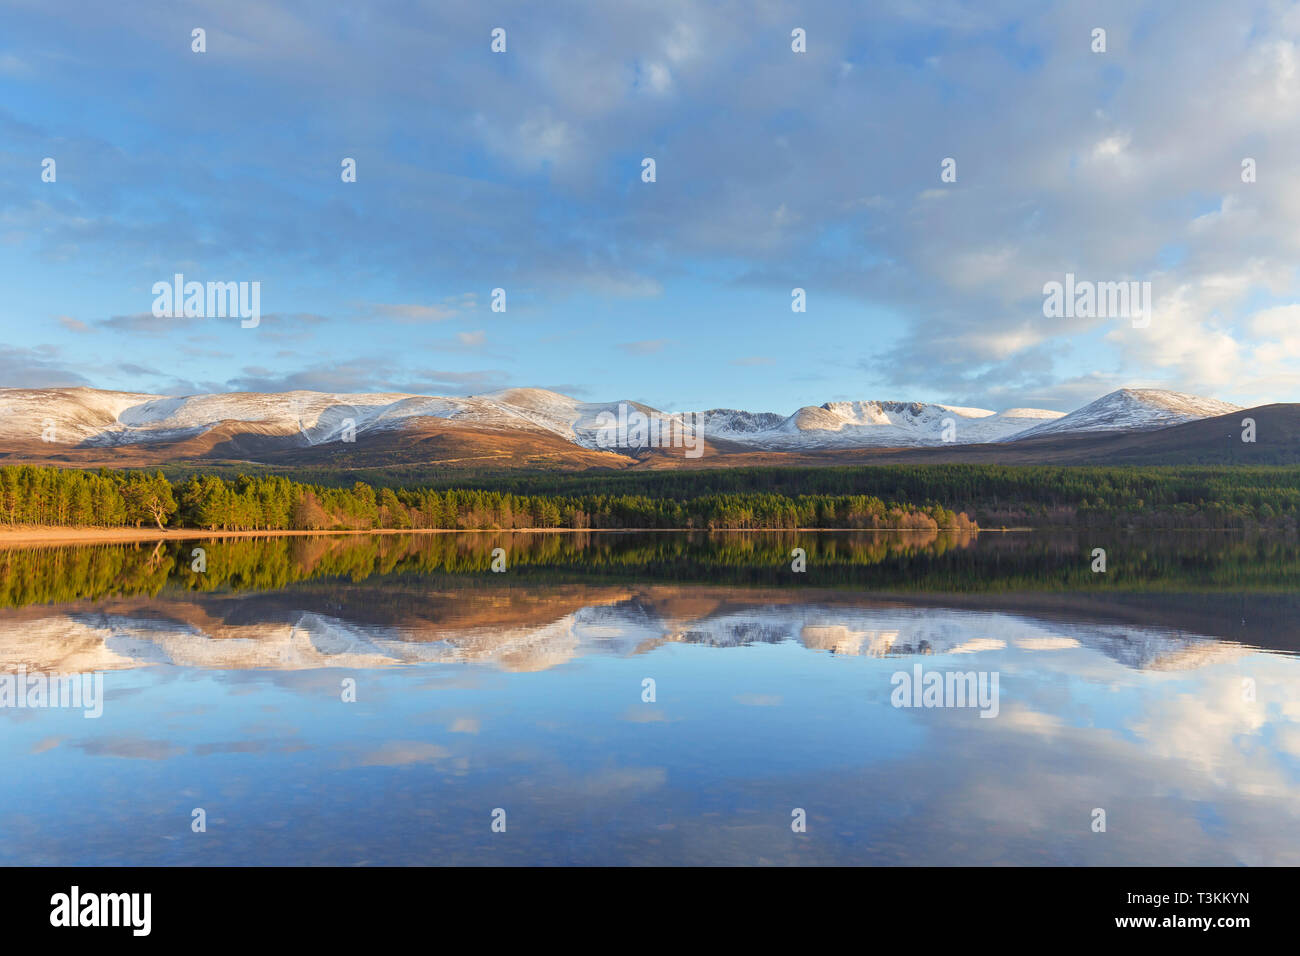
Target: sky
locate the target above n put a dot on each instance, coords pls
(774, 170)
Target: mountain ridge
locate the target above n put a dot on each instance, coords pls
(79, 422)
(1148, 407)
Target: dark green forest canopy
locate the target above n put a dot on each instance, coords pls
(68, 497)
(890, 496)
(994, 495)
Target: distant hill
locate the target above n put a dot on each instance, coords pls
(1210, 441)
(537, 429)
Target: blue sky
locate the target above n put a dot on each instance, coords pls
(521, 170)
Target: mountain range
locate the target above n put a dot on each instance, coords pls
(529, 427)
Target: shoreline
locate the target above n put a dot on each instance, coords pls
(27, 536)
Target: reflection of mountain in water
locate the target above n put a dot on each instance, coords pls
(527, 631)
(908, 632)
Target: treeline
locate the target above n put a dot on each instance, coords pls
(1152, 497)
(1240, 497)
(31, 495)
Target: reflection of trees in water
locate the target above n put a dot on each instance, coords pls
(886, 561)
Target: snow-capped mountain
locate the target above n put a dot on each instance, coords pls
(1133, 409)
(871, 424)
(92, 418)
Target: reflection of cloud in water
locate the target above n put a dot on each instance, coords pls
(398, 753)
(1150, 723)
(1207, 725)
(134, 748)
(612, 782)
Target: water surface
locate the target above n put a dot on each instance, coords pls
(1163, 692)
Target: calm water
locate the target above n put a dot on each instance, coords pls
(1164, 692)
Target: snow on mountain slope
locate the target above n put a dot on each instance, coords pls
(101, 418)
(587, 424)
(90, 416)
(1133, 409)
(314, 415)
(567, 417)
(732, 422)
(76, 414)
(884, 424)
